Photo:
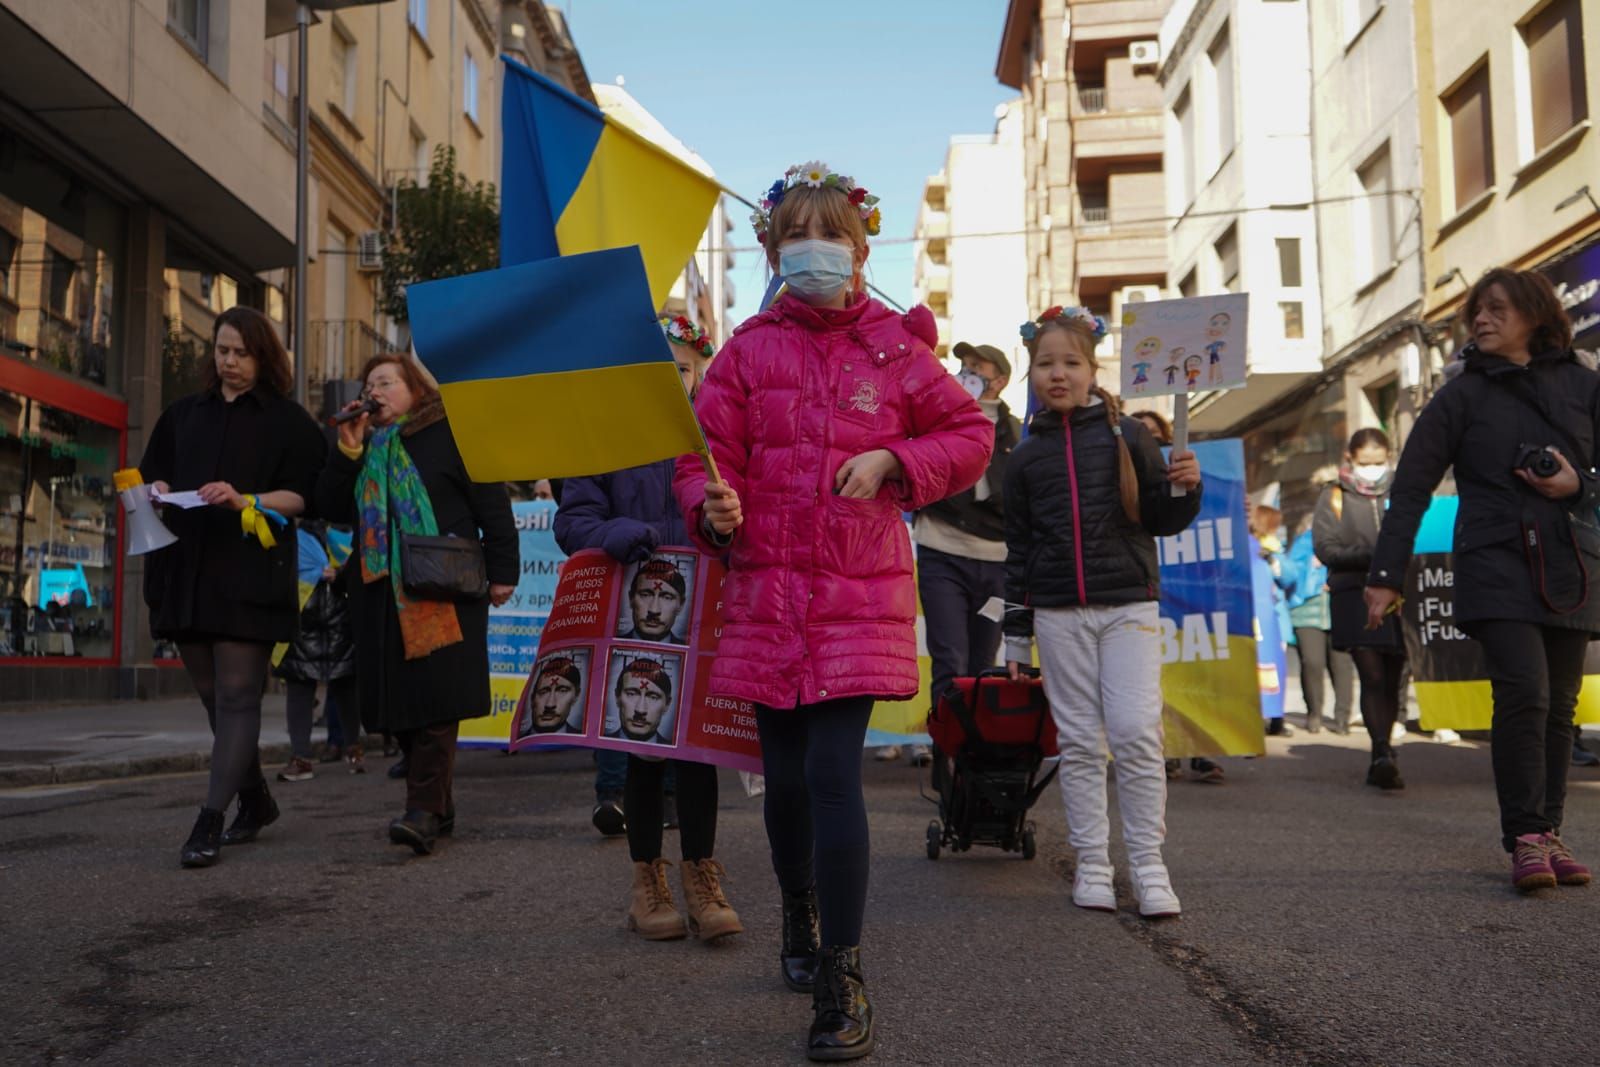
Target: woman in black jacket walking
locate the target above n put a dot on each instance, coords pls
(423, 665)
(223, 598)
(1344, 532)
(1519, 425)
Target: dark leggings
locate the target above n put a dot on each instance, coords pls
(697, 808)
(815, 813)
(1382, 673)
(230, 677)
(1318, 662)
(301, 710)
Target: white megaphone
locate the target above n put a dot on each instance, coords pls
(146, 531)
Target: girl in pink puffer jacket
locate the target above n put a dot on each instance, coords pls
(828, 416)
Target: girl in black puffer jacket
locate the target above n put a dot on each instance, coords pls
(1086, 495)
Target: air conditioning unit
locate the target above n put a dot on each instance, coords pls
(1145, 53)
(1132, 294)
(369, 250)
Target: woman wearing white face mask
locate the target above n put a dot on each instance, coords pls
(1343, 535)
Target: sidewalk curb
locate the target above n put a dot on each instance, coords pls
(26, 775)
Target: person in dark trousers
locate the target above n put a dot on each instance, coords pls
(1304, 580)
(423, 664)
(225, 592)
(1205, 770)
(1519, 425)
(1344, 532)
(961, 548)
(628, 514)
(322, 653)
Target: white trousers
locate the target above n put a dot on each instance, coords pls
(1102, 676)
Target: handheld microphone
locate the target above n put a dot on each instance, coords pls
(368, 406)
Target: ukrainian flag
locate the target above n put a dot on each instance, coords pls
(572, 181)
(553, 369)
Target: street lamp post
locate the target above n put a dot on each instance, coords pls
(302, 168)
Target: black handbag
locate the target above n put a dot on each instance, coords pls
(449, 569)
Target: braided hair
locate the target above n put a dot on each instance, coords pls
(1127, 477)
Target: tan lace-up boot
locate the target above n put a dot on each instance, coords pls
(710, 915)
(651, 913)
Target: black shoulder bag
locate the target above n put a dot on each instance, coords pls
(449, 568)
(1532, 541)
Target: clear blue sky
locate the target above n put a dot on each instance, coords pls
(874, 89)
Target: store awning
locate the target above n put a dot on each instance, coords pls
(45, 87)
(1215, 413)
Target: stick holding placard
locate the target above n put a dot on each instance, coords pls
(1180, 432)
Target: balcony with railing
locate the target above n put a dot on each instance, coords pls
(337, 349)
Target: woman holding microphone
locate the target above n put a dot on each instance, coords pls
(422, 656)
(225, 591)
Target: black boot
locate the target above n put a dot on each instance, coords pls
(257, 810)
(842, 1029)
(798, 956)
(205, 840)
(418, 829)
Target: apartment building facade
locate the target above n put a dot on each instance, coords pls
(971, 251)
(1094, 204)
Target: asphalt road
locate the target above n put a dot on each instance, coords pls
(1324, 923)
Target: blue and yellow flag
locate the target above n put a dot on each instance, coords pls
(572, 180)
(553, 369)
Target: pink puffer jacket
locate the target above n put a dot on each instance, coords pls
(819, 603)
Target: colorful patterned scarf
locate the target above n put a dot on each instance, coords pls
(393, 501)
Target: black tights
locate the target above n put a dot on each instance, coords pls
(815, 813)
(230, 677)
(697, 808)
(1381, 672)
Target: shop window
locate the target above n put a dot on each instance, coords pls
(58, 532)
(1471, 137)
(1557, 90)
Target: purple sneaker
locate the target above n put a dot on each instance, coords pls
(1568, 871)
(1530, 864)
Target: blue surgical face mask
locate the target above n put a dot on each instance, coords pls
(815, 270)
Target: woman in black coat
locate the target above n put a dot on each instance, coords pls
(1519, 425)
(420, 676)
(223, 598)
(323, 653)
(1344, 533)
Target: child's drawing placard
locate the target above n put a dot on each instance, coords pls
(1184, 346)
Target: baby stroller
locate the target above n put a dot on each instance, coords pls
(990, 737)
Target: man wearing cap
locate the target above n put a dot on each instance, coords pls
(961, 546)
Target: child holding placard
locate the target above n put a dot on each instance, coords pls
(1091, 495)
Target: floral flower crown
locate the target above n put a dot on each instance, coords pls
(680, 330)
(816, 175)
(1083, 316)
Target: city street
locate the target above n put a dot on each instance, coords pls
(1324, 923)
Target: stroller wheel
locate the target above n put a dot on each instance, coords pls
(1030, 848)
(935, 838)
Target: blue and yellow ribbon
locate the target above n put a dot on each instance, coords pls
(258, 521)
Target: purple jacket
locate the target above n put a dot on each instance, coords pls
(627, 513)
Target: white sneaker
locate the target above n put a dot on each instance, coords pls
(1446, 737)
(1092, 889)
(1153, 887)
(1397, 733)
(887, 754)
